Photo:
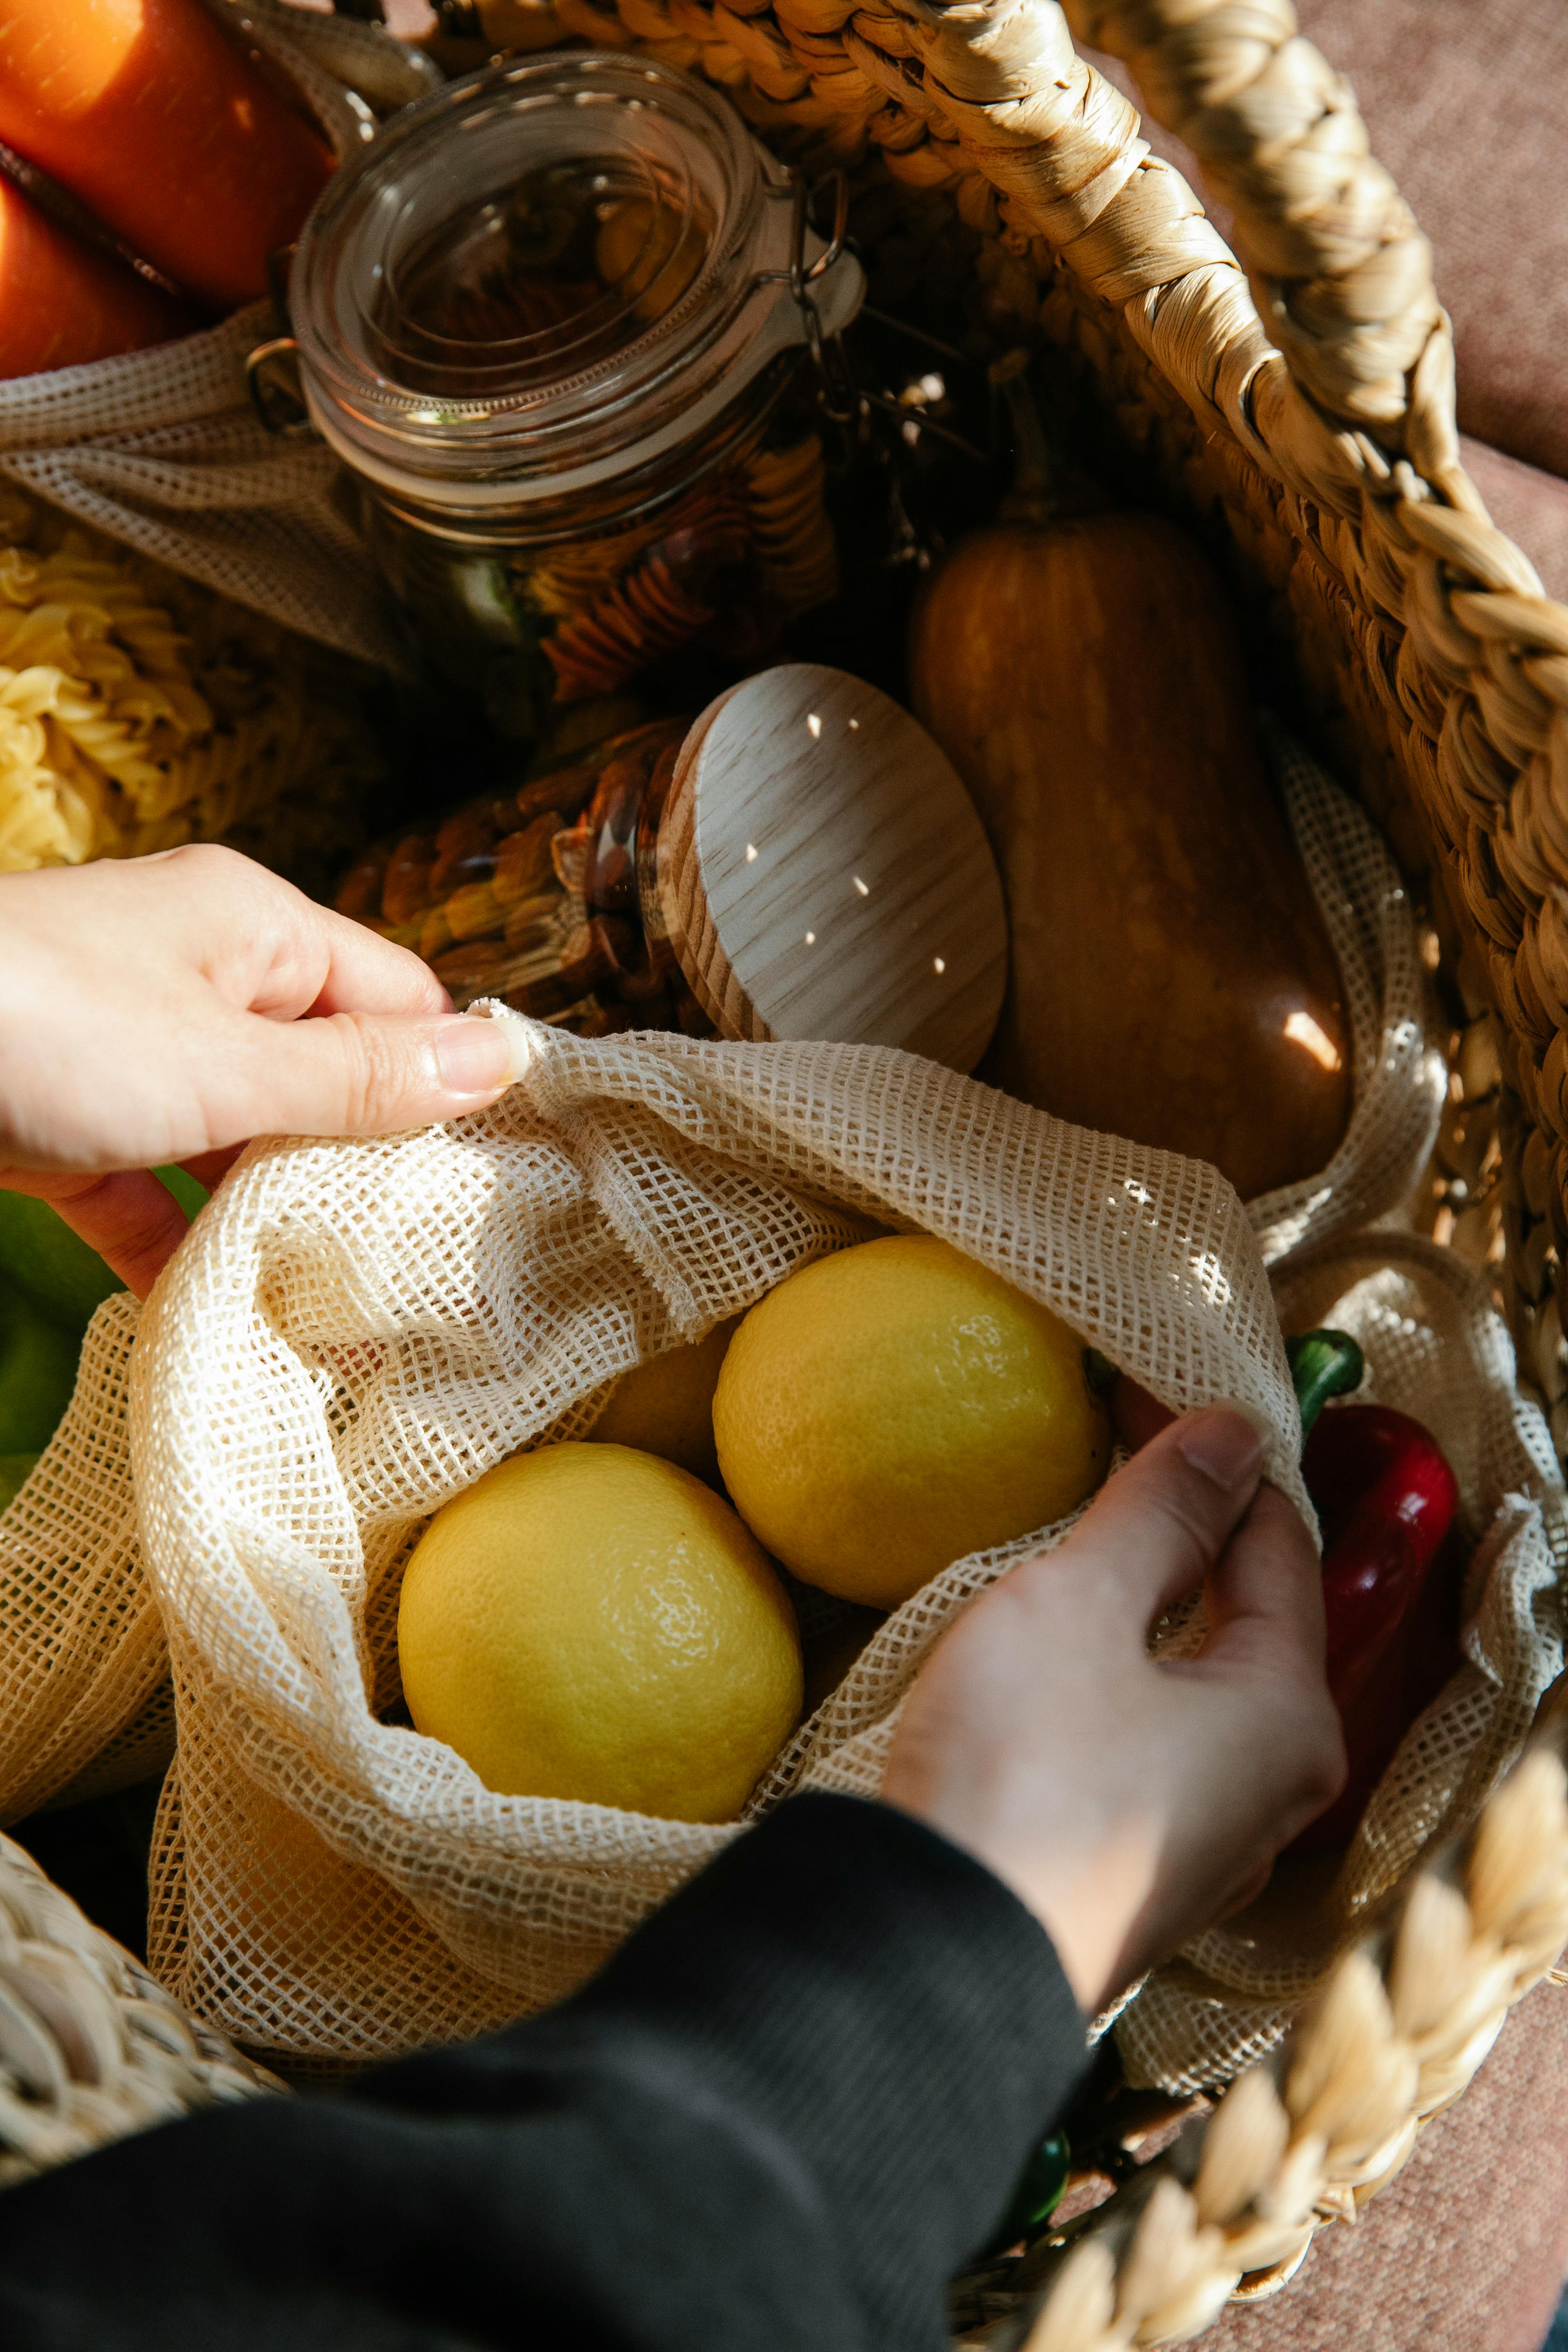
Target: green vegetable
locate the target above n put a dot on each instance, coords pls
(40, 1257)
(14, 1468)
(1036, 2196)
(37, 1374)
(43, 1258)
(190, 1196)
(51, 1285)
(1324, 1364)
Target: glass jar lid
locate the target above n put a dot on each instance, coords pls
(541, 274)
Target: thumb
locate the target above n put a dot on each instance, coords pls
(368, 1073)
(1156, 1528)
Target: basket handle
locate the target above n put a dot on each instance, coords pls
(1340, 272)
(1336, 372)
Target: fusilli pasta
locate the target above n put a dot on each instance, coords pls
(138, 711)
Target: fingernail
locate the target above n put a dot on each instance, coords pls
(476, 1056)
(1220, 1442)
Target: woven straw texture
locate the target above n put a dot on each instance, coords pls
(91, 2047)
(1310, 2135)
(162, 450)
(1462, 2249)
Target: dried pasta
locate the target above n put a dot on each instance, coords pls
(656, 607)
(790, 530)
(138, 711)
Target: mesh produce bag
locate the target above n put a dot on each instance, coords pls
(1401, 1076)
(356, 1331)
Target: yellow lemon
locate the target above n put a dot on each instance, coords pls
(666, 1406)
(885, 1411)
(589, 1622)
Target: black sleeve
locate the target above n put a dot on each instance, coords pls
(777, 2121)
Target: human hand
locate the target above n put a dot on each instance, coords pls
(168, 1008)
(1127, 1801)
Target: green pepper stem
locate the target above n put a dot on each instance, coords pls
(1324, 1364)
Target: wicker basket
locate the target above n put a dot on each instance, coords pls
(1412, 639)
(91, 2047)
(1297, 407)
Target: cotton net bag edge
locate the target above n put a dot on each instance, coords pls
(1435, 1348)
(1399, 1068)
(354, 1332)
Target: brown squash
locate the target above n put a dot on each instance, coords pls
(1171, 980)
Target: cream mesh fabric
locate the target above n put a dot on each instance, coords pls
(1435, 1348)
(163, 449)
(1401, 1073)
(83, 1672)
(354, 1332)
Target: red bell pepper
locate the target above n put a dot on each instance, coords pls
(1387, 1501)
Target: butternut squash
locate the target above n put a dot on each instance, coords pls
(1171, 980)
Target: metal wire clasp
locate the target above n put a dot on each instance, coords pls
(276, 394)
(279, 402)
(840, 399)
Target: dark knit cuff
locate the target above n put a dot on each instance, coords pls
(887, 2006)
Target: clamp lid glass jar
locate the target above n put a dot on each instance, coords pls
(548, 319)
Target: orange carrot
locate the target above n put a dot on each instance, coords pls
(61, 303)
(145, 110)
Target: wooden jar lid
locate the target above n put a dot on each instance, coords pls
(822, 872)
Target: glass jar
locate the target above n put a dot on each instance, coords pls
(546, 897)
(548, 320)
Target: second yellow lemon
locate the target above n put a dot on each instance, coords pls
(589, 1622)
(889, 1409)
(666, 1406)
